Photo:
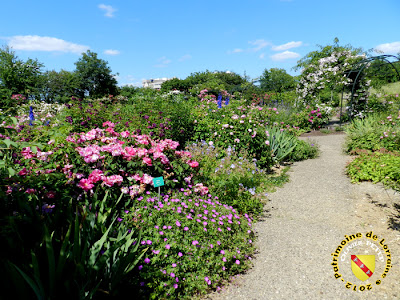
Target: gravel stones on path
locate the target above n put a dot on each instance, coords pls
(307, 220)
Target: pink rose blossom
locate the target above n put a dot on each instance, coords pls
(85, 184)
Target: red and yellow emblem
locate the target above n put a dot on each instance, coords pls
(363, 266)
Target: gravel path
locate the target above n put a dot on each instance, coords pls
(307, 221)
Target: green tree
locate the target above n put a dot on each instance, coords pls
(59, 86)
(380, 72)
(277, 81)
(128, 91)
(175, 84)
(18, 76)
(215, 82)
(231, 80)
(95, 76)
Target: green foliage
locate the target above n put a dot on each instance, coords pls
(235, 125)
(374, 132)
(377, 142)
(304, 150)
(230, 176)
(249, 128)
(175, 84)
(94, 76)
(161, 117)
(282, 144)
(380, 73)
(276, 80)
(59, 87)
(215, 82)
(195, 244)
(324, 51)
(312, 117)
(93, 257)
(84, 114)
(63, 215)
(17, 77)
(128, 91)
(324, 71)
(388, 89)
(330, 97)
(376, 167)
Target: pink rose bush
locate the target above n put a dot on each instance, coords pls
(123, 160)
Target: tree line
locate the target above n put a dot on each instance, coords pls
(92, 78)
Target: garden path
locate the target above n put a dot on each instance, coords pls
(305, 222)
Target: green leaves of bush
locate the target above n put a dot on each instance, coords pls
(96, 253)
(376, 167)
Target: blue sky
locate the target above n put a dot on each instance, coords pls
(153, 39)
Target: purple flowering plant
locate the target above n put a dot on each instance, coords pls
(188, 232)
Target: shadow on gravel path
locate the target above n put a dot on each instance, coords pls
(310, 217)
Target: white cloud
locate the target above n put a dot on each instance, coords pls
(259, 44)
(111, 52)
(285, 55)
(389, 48)
(287, 46)
(108, 9)
(163, 62)
(262, 55)
(185, 57)
(44, 43)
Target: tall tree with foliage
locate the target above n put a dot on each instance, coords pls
(214, 82)
(18, 76)
(95, 76)
(59, 86)
(380, 72)
(277, 81)
(175, 84)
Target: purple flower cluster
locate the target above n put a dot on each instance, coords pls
(186, 230)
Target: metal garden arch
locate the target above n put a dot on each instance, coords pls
(355, 74)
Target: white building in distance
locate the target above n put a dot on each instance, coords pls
(154, 83)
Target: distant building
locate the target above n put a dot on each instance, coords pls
(154, 83)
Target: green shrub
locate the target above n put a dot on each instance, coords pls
(376, 167)
(374, 132)
(312, 117)
(88, 261)
(230, 176)
(282, 144)
(304, 150)
(160, 117)
(245, 128)
(195, 243)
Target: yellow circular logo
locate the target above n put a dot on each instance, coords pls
(361, 262)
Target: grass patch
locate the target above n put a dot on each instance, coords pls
(390, 88)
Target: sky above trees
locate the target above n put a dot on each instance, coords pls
(143, 40)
